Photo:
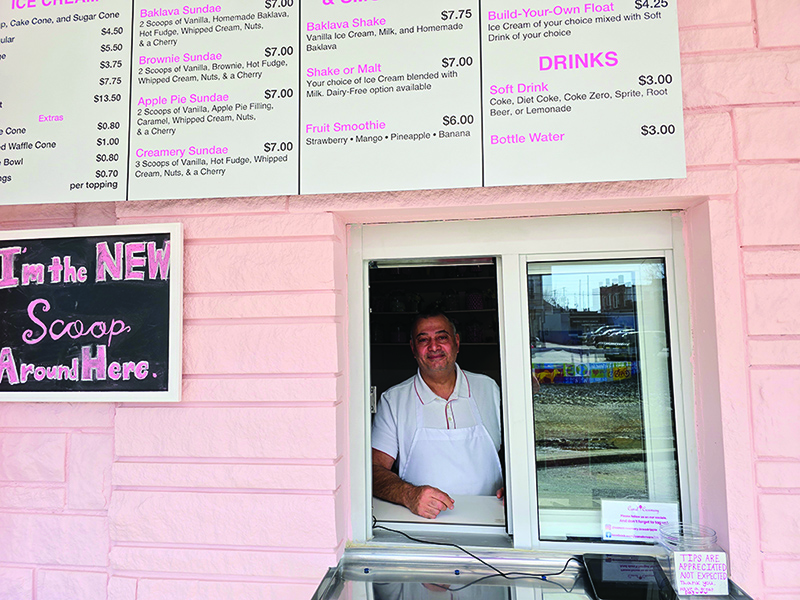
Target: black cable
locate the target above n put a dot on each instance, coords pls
(518, 576)
(512, 575)
(413, 539)
(461, 587)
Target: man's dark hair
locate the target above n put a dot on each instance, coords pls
(430, 313)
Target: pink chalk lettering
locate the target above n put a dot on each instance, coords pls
(132, 260)
(55, 269)
(8, 367)
(117, 371)
(53, 372)
(93, 365)
(24, 370)
(32, 273)
(97, 366)
(27, 335)
(7, 279)
(39, 373)
(107, 264)
(158, 260)
(74, 329)
(127, 260)
(141, 369)
(114, 371)
(128, 368)
(71, 274)
(64, 372)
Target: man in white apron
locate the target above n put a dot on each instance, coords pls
(442, 426)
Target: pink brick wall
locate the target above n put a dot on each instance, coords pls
(237, 492)
(242, 489)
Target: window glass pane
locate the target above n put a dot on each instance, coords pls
(603, 407)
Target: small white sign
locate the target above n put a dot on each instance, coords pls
(701, 573)
(632, 521)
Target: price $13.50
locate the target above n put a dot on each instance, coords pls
(107, 97)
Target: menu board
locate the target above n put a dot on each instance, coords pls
(215, 100)
(153, 99)
(91, 314)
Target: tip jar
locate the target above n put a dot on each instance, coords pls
(697, 565)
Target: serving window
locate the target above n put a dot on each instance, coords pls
(582, 323)
(466, 290)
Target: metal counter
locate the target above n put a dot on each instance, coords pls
(430, 573)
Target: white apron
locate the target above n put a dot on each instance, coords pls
(460, 462)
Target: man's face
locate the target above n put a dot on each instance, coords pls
(435, 346)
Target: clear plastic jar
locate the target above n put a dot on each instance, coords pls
(698, 566)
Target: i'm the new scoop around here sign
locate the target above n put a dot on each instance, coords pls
(91, 314)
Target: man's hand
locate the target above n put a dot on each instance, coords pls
(428, 502)
(425, 501)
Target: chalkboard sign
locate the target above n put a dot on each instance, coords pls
(91, 314)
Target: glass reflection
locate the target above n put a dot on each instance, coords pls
(603, 411)
(412, 590)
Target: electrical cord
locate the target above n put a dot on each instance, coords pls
(511, 575)
(531, 576)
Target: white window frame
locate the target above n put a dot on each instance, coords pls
(515, 242)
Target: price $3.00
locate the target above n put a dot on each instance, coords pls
(658, 129)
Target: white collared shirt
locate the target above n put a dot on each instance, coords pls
(396, 422)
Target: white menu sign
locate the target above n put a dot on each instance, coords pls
(113, 99)
(214, 87)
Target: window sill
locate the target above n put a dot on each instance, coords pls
(468, 510)
(391, 541)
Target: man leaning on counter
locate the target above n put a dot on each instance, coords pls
(441, 426)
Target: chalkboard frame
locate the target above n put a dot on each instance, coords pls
(174, 325)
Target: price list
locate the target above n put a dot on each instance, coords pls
(64, 100)
(390, 96)
(214, 99)
(597, 99)
(157, 99)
